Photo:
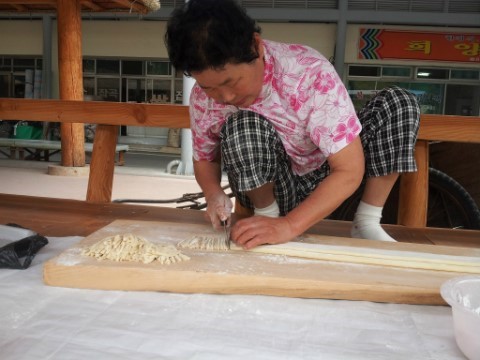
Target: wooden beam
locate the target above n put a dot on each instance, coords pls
(432, 127)
(32, 2)
(413, 198)
(33, 5)
(450, 128)
(19, 7)
(102, 164)
(97, 112)
(132, 5)
(92, 6)
(69, 19)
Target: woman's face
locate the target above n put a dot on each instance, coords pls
(235, 84)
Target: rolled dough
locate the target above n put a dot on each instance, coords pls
(350, 254)
(204, 242)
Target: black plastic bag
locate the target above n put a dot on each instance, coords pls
(19, 254)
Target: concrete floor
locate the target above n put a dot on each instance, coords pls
(143, 176)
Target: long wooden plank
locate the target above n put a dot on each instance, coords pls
(97, 112)
(432, 127)
(449, 128)
(233, 272)
(65, 217)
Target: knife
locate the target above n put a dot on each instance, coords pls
(227, 234)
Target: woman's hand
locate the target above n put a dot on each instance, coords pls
(259, 230)
(219, 208)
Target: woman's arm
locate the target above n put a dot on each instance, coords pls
(346, 172)
(208, 175)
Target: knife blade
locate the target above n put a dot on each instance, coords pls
(227, 234)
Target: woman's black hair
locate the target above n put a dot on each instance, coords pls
(208, 34)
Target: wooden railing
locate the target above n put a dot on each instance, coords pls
(109, 115)
(413, 196)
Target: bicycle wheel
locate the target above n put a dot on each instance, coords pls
(449, 204)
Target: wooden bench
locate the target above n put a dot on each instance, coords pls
(48, 147)
(8, 143)
(109, 115)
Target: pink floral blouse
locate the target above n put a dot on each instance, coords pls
(302, 96)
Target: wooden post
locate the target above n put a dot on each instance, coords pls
(69, 34)
(102, 164)
(413, 198)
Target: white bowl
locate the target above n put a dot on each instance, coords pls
(463, 295)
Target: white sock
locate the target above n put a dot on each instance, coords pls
(366, 223)
(271, 210)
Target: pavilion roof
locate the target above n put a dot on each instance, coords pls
(93, 6)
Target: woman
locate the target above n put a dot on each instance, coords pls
(280, 120)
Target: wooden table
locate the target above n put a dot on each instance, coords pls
(60, 217)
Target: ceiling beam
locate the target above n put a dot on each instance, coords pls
(310, 16)
(91, 5)
(19, 7)
(134, 6)
(32, 2)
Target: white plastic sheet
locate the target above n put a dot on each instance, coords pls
(42, 322)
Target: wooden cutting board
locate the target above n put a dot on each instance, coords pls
(243, 272)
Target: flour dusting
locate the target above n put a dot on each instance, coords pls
(70, 257)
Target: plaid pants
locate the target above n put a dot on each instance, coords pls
(253, 154)
(390, 123)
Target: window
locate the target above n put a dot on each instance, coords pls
(130, 67)
(130, 80)
(88, 87)
(159, 68)
(108, 67)
(430, 96)
(364, 70)
(13, 72)
(438, 90)
(88, 66)
(396, 71)
(23, 64)
(159, 91)
(5, 64)
(462, 100)
(465, 74)
(432, 73)
(5, 85)
(108, 89)
(135, 89)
